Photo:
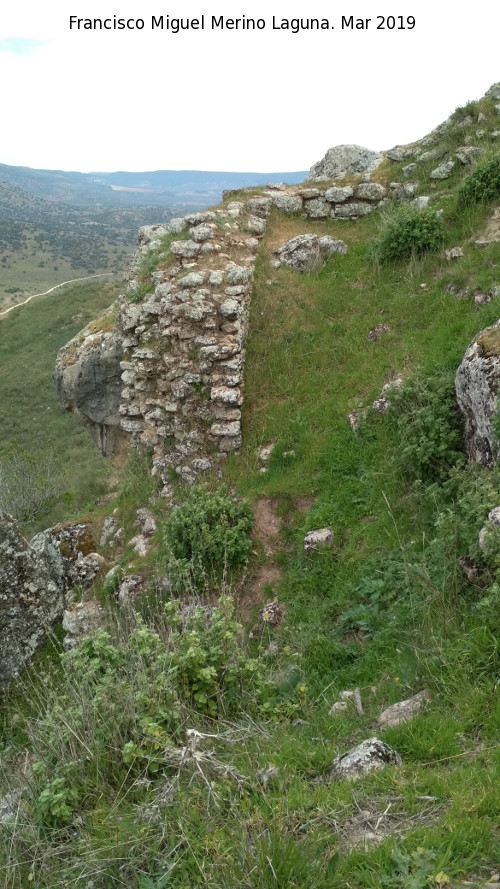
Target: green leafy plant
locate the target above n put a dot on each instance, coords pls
(208, 534)
(482, 184)
(427, 425)
(57, 799)
(407, 232)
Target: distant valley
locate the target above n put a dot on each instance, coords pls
(57, 225)
(187, 189)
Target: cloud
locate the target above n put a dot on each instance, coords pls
(21, 46)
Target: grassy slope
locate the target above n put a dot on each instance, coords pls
(30, 416)
(309, 362)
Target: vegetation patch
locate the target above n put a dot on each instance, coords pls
(406, 232)
(482, 185)
(206, 536)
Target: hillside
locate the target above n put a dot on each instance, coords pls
(44, 242)
(196, 738)
(190, 189)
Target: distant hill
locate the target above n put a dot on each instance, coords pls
(182, 188)
(43, 242)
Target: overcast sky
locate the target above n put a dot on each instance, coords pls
(258, 100)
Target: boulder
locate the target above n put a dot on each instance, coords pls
(31, 600)
(371, 754)
(304, 253)
(87, 381)
(443, 171)
(343, 160)
(476, 386)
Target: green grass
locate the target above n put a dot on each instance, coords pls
(30, 415)
(386, 609)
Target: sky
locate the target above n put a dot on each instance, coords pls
(260, 100)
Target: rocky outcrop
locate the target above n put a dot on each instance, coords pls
(476, 386)
(87, 381)
(343, 160)
(304, 253)
(69, 551)
(31, 600)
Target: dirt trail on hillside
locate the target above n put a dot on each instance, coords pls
(267, 527)
(55, 287)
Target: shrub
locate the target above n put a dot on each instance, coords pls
(207, 534)
(482, 184)
(427, 424)
(407, 232)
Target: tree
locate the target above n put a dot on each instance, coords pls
(28, 481)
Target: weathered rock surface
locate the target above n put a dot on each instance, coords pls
(30, 601)
(494, 91)
(304, 253)
(69, 551)
(476, 387)
(318, 537)
(403, 711)
(87, 381)
(371, 754)
(342, 160)
(81, 619)
(443, 171)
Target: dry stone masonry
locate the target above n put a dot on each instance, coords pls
(167, 371)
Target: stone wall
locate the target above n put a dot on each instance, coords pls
(169, 374)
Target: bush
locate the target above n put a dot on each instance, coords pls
(427, 424)
(207, 534)
(407, 232)
(482, 184)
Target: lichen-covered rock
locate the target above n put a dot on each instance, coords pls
(337, 194)
(304, 253)
(69, 551)
(443, 171)
(81, 619)
(30, 601)
(287, 203)
(371, 754)
(476, 387)
(354, 208)
(370, 191)
(342, 160)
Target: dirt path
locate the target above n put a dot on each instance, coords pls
(55, 287)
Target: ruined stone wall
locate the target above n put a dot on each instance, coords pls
(175, 356)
